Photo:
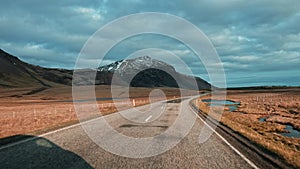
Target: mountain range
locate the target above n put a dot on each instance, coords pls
(151, 73)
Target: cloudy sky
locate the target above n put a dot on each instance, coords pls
(258, 41)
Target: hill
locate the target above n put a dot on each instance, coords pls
(16, 73)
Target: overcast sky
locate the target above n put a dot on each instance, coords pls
(258, 41)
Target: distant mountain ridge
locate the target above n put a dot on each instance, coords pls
(16, 73)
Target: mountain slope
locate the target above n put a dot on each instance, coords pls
(15, 73)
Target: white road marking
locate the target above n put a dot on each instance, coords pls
(226, 142)
(78, 124)
(58, 130)
(61, 129)
(51, 132)
(148, 118)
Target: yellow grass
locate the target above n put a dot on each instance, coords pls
(43, 111)
(280, 108)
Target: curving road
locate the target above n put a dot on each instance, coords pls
(71, 147)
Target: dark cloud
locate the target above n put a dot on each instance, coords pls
(259, 39)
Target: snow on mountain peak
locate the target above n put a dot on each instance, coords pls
(135, 64)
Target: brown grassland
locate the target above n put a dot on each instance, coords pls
(280, 107)
(24, 111)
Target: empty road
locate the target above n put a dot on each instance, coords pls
(71, 147)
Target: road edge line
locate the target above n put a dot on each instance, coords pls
(226, 142)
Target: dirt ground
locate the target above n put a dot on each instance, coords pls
(279, 107)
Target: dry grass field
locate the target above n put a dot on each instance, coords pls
(35, 110)
(278, 108)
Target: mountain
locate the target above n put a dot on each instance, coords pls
(16, 73)
(151, 73)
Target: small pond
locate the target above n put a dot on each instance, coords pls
(232, 108)
(227, 103)
(262, 119)
(220, 102)
(291, 131)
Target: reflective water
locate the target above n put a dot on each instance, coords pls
(262, 119)
(232, 108)
(227, 103)
(291, 132)
(220, 102)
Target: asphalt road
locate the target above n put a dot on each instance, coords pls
(71, 147)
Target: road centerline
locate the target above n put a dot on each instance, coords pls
(148, 118)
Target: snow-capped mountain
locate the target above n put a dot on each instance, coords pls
(111, 67)
(140, 63)
(147, 72)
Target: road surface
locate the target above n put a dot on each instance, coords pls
(71, 147)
